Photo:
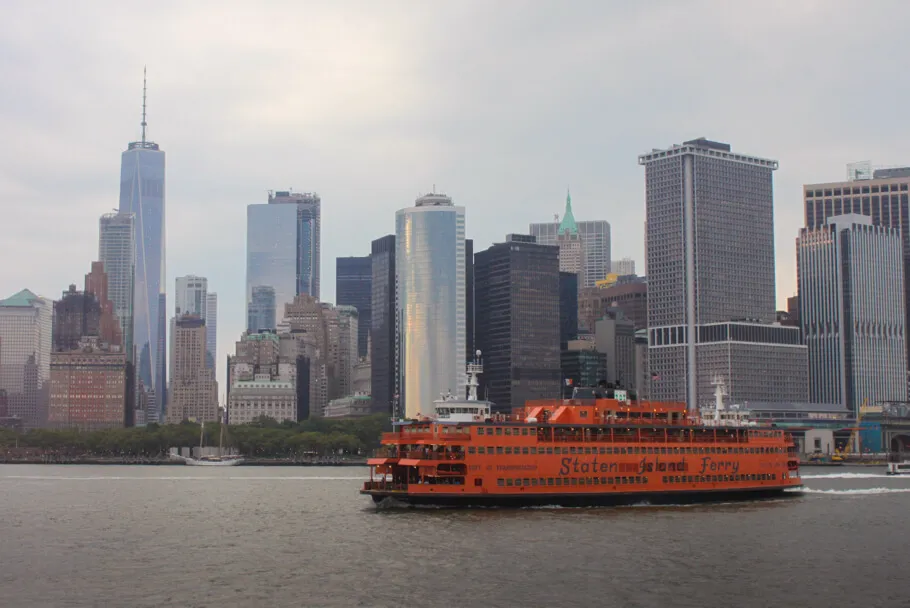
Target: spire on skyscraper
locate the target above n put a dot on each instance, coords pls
(143, 105)
(568, 225)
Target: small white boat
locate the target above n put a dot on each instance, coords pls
(211, 461)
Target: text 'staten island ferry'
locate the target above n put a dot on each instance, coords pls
(602, 447)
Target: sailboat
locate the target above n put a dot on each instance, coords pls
(213, 461)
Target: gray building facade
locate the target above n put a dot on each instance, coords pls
(117, 253)
(710, 260)
(852, 311)
(353, 287)
(383, 342)
(517, 321)
(595, 242)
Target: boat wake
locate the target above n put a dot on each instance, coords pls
(856, 491)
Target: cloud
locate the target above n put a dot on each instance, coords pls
(501, 105)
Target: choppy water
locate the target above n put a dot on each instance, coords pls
(253, 536)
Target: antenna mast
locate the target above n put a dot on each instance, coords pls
(143, 106)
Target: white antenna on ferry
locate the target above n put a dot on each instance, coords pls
(474, 369)
(720, 391)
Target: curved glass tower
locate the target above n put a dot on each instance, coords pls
(430, 269)
(142, 194)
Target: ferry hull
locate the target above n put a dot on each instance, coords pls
(584, 500)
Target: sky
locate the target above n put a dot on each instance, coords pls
(501, 105)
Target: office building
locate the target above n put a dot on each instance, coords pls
(623, 267)
(383, 342)
(582, 366)
(354, 287)
(263, 395)
(211, 328)
(431, 315)
(568, 308)
(261, 309)
(25, 351)
(518, 322)
(614, 335)
(344, 331)
(142, 194)
(851, 293)
(881, 194)
(89, 387)
(283, 246)
(711, 300)
(194, 391)
(469, 298)
(117, 254)
(594, 237)
(643, 377)
(630, 295)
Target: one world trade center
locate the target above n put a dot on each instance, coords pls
(142, 194)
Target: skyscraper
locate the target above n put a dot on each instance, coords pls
(193, 386)
(283, 246)
(142, 193)
(594, 237)
(190, 297)
(25, 352)
(383, 358)
(518, 322)
(882, 194)
(261, 309)
(851, 296)
(117, 253)
(469, 298)
(353, 287)
(211, 328)
(431, 316)
(711, 297)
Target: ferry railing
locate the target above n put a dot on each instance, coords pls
(385, 485)
(428, 455)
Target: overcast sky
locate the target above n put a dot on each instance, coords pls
(501, 105)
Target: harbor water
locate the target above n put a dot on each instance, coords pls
(302, 536)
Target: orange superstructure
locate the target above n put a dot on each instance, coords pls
(612, 450)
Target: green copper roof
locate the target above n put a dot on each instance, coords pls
(568, 225)
(23, 298)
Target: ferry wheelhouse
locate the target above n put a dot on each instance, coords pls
(601, 447)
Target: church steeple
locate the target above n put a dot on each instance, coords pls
(568, 225)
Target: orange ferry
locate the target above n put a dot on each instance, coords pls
(602, 447)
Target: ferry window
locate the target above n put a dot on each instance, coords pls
(471, 450)
(518, 482)
(499, 450)
(587, 450)
(524, 431)
(498, 430)
(508, 450)
(622, 450)
(603, 450)
(508, 431)
(584, 413)
(533, 481)
(665, 479)
(574, 481)
(480, 430)
(478, 481)
(510, 482)
(549, 481)
(644, 480)
(500, 482)
(549, 450)
(481, 450)
(527, 481)
(533, 450)
(597, 481)
(523, 450)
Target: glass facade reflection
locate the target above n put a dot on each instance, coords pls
(283, 247)
(142, 193)
(271, 254)
(430, 266)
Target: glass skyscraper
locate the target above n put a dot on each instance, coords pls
(283, 247)
(430, 266)
(117, 252)
(142, 193)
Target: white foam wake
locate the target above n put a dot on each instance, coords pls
(856, 491)
(846, 476)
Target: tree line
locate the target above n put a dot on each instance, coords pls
(263, 438)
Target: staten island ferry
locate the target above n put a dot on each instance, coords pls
(602, 446)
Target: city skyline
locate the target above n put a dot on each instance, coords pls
(214, 172)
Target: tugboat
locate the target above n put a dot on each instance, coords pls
(603, 446)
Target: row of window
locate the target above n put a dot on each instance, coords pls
(529, 482)
(489, 450)
(671, 479)
(856, 190)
